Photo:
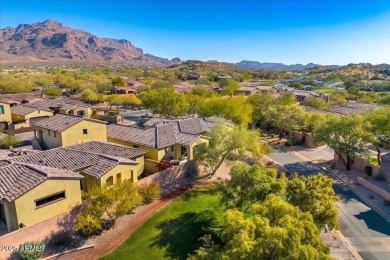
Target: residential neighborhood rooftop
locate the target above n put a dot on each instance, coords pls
(61, 122)
(159, 136)
(24, 110)
(76, 157)
(63, 103)
(18, 178)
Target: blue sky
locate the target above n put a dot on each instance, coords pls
(289, 31)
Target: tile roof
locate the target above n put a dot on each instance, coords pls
(20, 96)
(61, 122)
(70, 158)
(64, 103)
(134, 135)
(190, 125)
(108, 149)
(18, 178)
(159, 136)
(22, 110)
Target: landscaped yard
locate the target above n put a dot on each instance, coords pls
(173, 232)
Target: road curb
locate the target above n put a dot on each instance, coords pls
(348, 245)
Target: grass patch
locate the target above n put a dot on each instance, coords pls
(173, 232)
(373, 161)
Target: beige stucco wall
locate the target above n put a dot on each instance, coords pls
(26, 210)
(10, 215)
(87, 111)
(50, 141)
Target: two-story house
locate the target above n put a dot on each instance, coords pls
(64, 130)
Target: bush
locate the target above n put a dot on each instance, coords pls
(287, 143)
(272, 135)
(88, 224)
(60, 238)
(31, 250)
(150, 192)
(192, 172)
(368, 170)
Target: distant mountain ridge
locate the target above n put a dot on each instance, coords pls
(51, 41)
(275, 66)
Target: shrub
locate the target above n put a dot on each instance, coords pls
(287, 143)
(88, 224)
(192, 172)
(272, 135)
(232, 157)
(368, 170)
(149, 192)
(60, 238)
(31, 250)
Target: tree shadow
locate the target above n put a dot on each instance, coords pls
(374, 221)
(180, 236)
(196, 193)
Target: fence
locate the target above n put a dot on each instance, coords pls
(359, 163)
(374, 188)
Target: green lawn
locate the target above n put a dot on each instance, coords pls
(328, 90)
(173, 232)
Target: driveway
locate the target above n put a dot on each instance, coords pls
(366, 230)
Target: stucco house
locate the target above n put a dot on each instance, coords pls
(32, 193)
(24, 116)
(164, 141)
(64, 130)
(64, 106)
(5, 116)
(100, 163)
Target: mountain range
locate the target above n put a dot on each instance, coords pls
(51, 41)
(276, 66)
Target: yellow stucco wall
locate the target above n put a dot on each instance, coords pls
(126, 172)
(26, 210)
(6, 117)
(153, 153)
(35, 114)
(74, 135)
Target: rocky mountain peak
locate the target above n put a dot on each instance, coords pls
(52, 41)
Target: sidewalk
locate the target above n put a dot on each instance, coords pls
(369, 196)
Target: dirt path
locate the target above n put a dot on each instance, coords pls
(123, 228)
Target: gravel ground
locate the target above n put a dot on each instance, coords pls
(338, 248)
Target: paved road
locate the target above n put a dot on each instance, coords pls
(365, 229)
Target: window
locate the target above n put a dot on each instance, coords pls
(39, 111)
(110, 181)
(55, 133)
(80, 113)
(1, 110)
(50, 199)
(118, 178)
(48, 132)
(85, 131)
(135, 146)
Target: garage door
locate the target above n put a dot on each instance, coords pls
(36, 120)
